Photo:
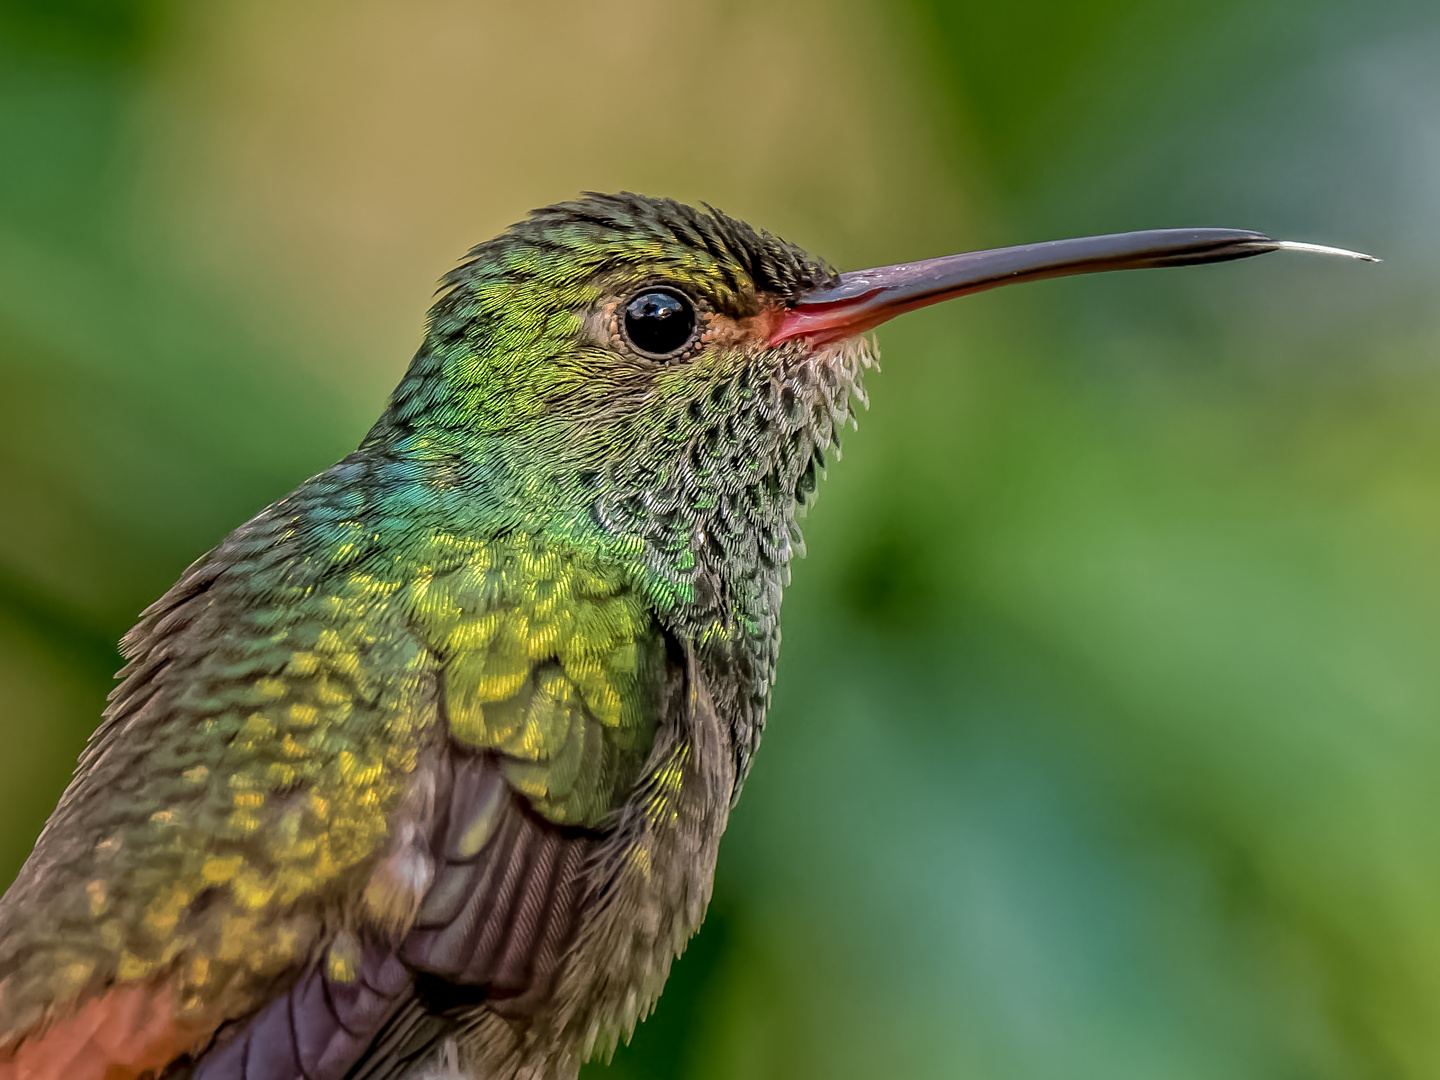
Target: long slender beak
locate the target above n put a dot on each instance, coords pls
(863, 299)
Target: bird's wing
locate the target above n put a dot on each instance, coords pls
(515, 898)
(552, 678)
(494, 928)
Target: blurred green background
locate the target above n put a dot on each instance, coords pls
(1107, 736)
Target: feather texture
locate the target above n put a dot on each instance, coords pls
(441, 745)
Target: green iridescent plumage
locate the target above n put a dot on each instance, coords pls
(535, 612)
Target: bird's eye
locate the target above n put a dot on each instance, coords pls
(659, 322)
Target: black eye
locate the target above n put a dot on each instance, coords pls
(660, 322)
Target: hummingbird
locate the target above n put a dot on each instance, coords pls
(431, 758)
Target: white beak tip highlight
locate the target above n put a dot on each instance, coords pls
(1321, 249)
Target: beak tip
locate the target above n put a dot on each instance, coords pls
(1322, 249)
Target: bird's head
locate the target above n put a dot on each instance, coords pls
(616, 364)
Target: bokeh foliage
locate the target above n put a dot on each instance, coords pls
(1108, 727)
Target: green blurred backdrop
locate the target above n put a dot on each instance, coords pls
(1107, 736)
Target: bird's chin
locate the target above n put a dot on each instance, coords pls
(839, 365)
(827, 384)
